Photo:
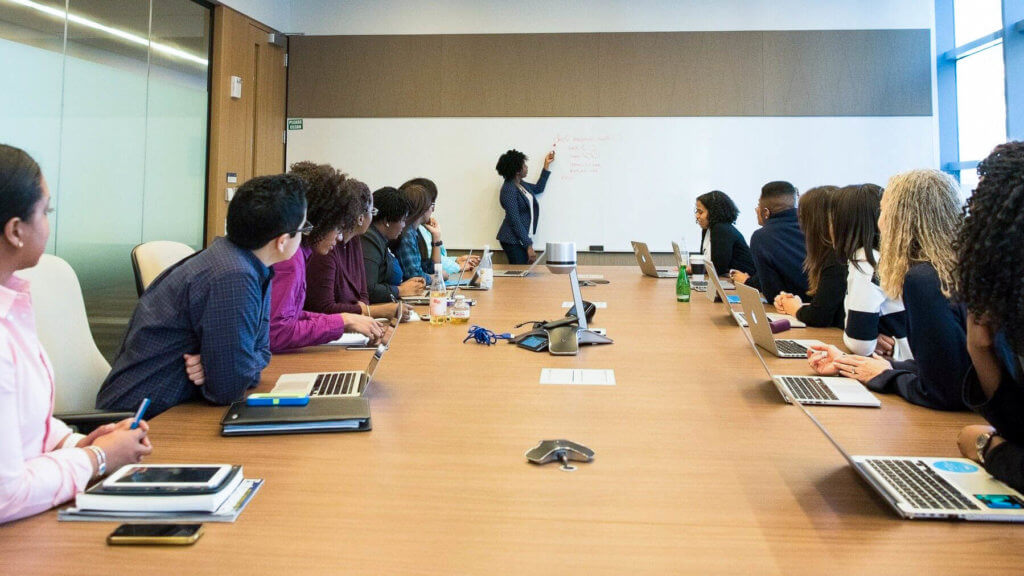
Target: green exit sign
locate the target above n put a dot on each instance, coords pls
(295, 123)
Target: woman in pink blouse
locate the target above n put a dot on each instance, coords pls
(42, 462)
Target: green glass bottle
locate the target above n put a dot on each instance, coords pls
(683, 286)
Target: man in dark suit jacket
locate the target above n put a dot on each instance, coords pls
(522, 211)
(778, 246)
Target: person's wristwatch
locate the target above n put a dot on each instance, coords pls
(437, 244)
(981, 444)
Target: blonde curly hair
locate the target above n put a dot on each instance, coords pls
(920, 219)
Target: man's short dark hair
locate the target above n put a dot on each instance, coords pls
(778, 195)
(264, 208)
(510, 164)
(390, 204)
(426, 183)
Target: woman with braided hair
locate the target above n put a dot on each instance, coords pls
(990, 281)
(918, 224)
(334, 204)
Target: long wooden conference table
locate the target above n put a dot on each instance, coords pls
(700, 466)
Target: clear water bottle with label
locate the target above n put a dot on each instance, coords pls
(438, 299)
(485, 270)
(460, 311)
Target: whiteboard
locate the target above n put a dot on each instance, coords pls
(614, 179)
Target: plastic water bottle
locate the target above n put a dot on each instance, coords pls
(438, 299)
(682, 286)
(461, 311)
(485, 270)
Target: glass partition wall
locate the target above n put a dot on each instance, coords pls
(111, 97)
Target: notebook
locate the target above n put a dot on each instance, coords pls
(323, 414)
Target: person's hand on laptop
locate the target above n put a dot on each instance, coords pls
(467, 262)
(738, 277)
(387, 310)
(822, 359)
(365, 325)
(412, 287)
(861, 368)
(531, 254)
(967, 440)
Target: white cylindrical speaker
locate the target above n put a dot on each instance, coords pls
(560, 257)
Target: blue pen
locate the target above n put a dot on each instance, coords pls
(139, 413)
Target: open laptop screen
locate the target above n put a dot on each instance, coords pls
(577, 300)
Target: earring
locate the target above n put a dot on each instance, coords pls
(21, 244)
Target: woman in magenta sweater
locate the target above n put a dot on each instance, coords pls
(336, 281)
(334, 204)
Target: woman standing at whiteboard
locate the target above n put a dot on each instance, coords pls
(519, 199)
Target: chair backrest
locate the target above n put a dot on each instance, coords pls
(149, 259)
(63, 329)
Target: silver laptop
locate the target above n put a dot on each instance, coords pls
(472, 283)
(519, 273)
(750, 299)
(923, 487)
(697, 282)
(646, 263)
(819, 390)
(350, 383)
(718, 289)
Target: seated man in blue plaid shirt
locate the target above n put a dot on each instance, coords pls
(201, 330)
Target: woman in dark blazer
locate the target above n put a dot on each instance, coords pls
(522, 211)
(720, 241)
(388, 224)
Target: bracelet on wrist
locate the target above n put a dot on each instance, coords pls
(101, 459)
(438, 244)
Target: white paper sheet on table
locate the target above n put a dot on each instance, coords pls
(350, 339)
(577, 376)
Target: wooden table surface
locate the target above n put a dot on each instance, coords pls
(701, 467)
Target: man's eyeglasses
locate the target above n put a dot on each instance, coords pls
(305, 229)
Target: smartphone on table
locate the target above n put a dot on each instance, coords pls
(156, 534)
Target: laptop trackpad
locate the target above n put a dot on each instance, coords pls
(294, 384)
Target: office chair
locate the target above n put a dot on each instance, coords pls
(149, 259)
(63, 329)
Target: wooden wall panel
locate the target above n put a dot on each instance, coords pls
(848, 73)
(269, 107)
(245, 133)
(673, 74)
(365, 75)
(751, 73)
(531, 75)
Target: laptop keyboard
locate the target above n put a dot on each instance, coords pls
(804, 388)
(336, 384)
(790, 347)
(699, 285)
(920, 485)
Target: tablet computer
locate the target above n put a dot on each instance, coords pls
(168, 477)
